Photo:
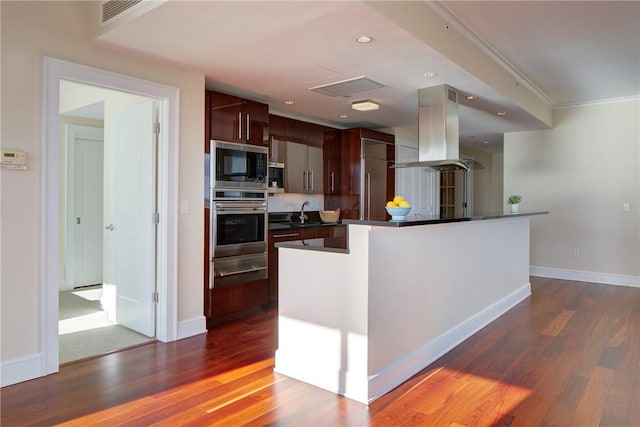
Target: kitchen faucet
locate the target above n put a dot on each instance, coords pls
(302, 217)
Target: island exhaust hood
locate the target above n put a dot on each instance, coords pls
(438, 135)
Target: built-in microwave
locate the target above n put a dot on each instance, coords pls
(238, 165)
(276, 177)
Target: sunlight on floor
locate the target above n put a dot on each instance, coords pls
(84, 323)
(94, 320)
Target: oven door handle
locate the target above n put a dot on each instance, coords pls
(239, 211)
(249, 270)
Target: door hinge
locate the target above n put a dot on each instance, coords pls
(155, 218)
(156, 128)
(155, 298)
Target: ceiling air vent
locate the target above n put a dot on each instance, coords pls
(112, 9)
(347, 87)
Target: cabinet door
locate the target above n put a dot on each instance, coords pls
(315, 134)
(275, 237)
(226, 117)
(296, 169)
(207, 121)
(296, 131)
(331, 161)
(256, 116)
(315, 170)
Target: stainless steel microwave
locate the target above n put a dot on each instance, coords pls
(238, 165)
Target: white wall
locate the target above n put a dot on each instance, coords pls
(487, 182)
(582, 171)
(30, 31)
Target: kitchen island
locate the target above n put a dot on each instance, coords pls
(362, 320)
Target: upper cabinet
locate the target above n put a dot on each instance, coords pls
(299, 145)
(303, 168)
(236, 119)
(331, 151)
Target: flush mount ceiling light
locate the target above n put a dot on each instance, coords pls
(364, 39)
(289, 102)
(430, 74)
(501, 113)
(471, 97)
(365, 105)
(343, 116)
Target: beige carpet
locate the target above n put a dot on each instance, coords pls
(86, 331)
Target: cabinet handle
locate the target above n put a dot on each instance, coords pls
(286, 235)
(248, 135)
(240, 126)
(311, 180)
(304, 180)
(368, 196)
(333, 181)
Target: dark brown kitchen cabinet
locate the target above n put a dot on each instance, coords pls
(331, 152)
(236, 119)
(335, 236)
(233, 302)
(362, 146)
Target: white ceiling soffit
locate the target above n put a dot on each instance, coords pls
(347, 87)
(271, 51)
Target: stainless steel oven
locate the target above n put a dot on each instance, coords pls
(238, 236)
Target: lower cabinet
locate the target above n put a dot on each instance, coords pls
(335, 236)
(233, 302)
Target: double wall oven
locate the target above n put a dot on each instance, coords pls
(238, 222)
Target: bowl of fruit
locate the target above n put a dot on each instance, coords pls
(398, 208)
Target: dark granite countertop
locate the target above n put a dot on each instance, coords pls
(321, 245)
(288, 221)
(427, 221)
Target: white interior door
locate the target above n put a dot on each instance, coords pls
(130, 231)
(86, 170)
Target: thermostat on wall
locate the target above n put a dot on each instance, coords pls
(14, 159)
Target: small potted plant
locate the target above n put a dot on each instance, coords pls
(514, 200)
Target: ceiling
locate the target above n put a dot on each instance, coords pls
(557, 53)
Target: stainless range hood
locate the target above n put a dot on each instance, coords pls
(439, 131)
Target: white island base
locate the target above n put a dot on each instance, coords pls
(362, 321)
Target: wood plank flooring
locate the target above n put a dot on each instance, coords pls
(567, 356)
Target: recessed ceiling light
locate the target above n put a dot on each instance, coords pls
(365, 105)
(289, 102)
(501, 113)
(471, 97)
(343, 116)
(485, 142)
(430, 74)
(364, 39)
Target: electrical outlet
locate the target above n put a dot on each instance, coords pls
(576, 251)
(625, 207)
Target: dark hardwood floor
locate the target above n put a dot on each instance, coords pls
(567, 356)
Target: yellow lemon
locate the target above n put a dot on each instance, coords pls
(398, 199)
(404, 204)
(391, 204)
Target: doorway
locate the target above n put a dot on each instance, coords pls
(105, 303)
(166, 177)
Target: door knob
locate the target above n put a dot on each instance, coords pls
(109, 227)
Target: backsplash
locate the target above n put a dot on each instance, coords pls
(290, 202)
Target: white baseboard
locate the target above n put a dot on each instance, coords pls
(367, 389)
(400, 370)
(21, 369)
(586, 276)
(190, 327)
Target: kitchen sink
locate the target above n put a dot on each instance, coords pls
(310, 224)
(306, 224)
